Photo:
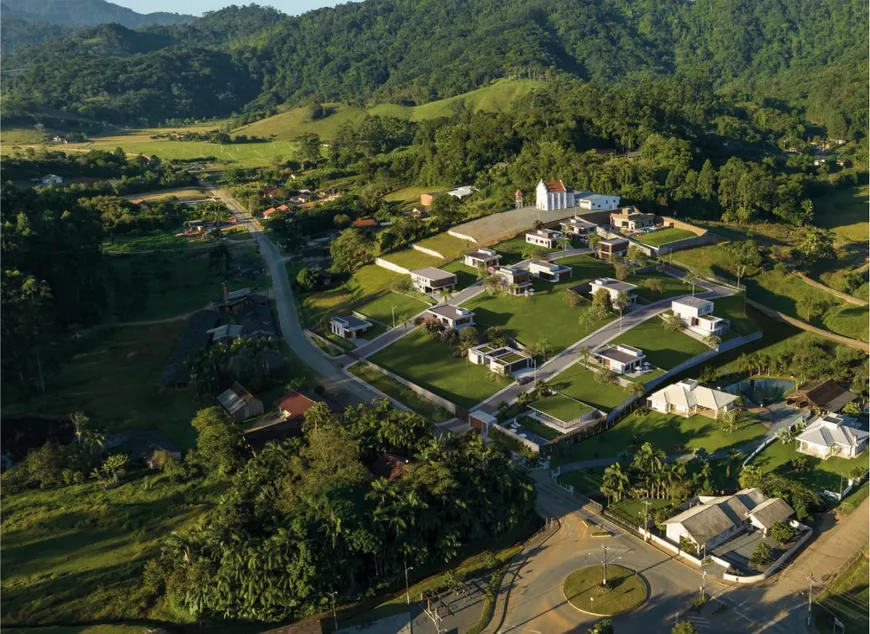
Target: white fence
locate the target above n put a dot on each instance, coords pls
(435, 254)
(769, 441)
(461, 236)
(386, 264)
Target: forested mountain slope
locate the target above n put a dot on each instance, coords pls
(90, 12)
(414, 51)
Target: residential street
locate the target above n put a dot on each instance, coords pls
(334, 380)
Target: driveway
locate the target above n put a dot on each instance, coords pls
(333, 379)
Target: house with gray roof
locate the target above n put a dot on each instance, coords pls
(711, 520)
(620, 358)
(432, 280)
(348, 326)
(239, 403)
(452, 316)
(481, 257)
(832, 435)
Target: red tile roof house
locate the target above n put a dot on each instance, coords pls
(366, 223)
(270, 192)
(291, 415)
(269, 212)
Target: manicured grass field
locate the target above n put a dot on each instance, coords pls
(663, 349)
(672, 287)
(411, 194)
(658, 238)
(579, 382)
(854, 499)
(585, 481)
(384, 307)
(465, 275)
(364, 282)
(561, 407)
(75, 554)
(844, 211)
(448, 246)
(627, 590)
(670, 433)
(711, 259)
(396, 390)
(823, 474)
(732, 308)
(846, 598)
(512, 250)
(431, 364)
(411, 259)
(632, 511)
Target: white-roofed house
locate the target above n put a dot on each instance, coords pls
(688, 398)
(832, 435)
(51, 179)
(461, 192)
(451, 316)
(549, 271)
(517, 280)
(546, 238)
(481, 257)
(348, 326)
(697, 314)
(431, 280)
(596, 202)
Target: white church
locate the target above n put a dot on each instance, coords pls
(554, 195)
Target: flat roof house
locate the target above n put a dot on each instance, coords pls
(239, 403)
(716, 519)
(614, 287)
(546, 238)
(596, 202)
(518, 280)
(501, 359)
(461, 192)
(826, 395)
(697, 314)
(832, 435)
(621, 358)
(553, 195)
(452, 316)
(481, 257)
(629, 218)
(612, 247)
(549, 271)
(578, 226)
(348, 326)
(688, 397)
(432, 280)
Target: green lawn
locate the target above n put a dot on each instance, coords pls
(401, 393)
(431, 364)
(585, 481)
(670, 433)
(658, 238)
(411, 194)
(411, 259)
(672, 287)
(632, 511)
(663, 349)
(75, 554)
(627, 590)
(823, 474)
(512, 250)
(465, 275)
(585, 268)
(448, 246)
(384, 307)
(854, 499)
(537, 427)
(732, 308)
(158, 285)
(364, 282)
(711, 259)
(646, 378)
(562, 407)
(579, 382)
(846, 598)
(844, 211)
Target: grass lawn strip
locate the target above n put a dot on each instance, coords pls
(401, 393)
(431, 364)
(843, 597)
(448, 246)
(364, 282)
(632, 511)
(579, 382)
(562, 407)
(412, 259)
(673, 287)
(663, 349)
(664, 236)
(671, 433)
(845, 212)
(382, 308)
(627, 590)
(854, 500)
(465, 275)
(585, 481)
(823, 474)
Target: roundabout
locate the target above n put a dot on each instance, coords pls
(625, 591)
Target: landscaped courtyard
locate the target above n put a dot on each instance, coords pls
(672, 434)
(431, 364)
(663, 349)
(561, 407)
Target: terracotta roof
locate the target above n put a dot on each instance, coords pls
(269, 211)
(555, 186)
(295, 404)
(518, 193)
(364, 223)
(283, 208)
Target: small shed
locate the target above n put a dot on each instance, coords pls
(239, 403)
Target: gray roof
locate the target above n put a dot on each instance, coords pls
(716, 515)
(431, 273)
(227, 331)
(617, 355)
(449, 311)
(615, 284)
(257, 319)
(235, 398)
(695, 302)
(482, 254)
(833, 430)
(349, 322)
(771, 511)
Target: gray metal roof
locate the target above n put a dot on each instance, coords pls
(771, 511)
(617, 355)
(449, 311)
(350, 322)
(235, 398)
(431, 273)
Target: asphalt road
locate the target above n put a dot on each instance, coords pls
(333, 379)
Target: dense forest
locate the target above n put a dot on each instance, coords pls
(811, 53)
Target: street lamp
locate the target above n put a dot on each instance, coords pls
(407, 587)
(334, 615)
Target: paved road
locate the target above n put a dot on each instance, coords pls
(333, 379)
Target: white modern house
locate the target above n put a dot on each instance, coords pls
(51, 179)
(630, 219)
(501, 359)
(481, 257)
(832, 435)
(614, 288)
(553, 195)
(348, 326)
(452, 316)
(714, 520)
(620, 358)
(431, 280)
(518, 280)
(546, 238)
(549, 271)
(578, 226)
(697, 314)
(596, 202)
(461, 192)
(688, 398)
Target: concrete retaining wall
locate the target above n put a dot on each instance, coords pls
(438, 400)
(391, 267)
(434, 254)
(461, 236)
(687, 243)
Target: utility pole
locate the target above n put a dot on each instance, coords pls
(810, 599)
(334, 615)
(841, 486)
(394, 315)
(703, 583)
(646, 504)
(604, 582)
(740, 271)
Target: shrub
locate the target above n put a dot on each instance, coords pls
(761, 556)
(783, 532)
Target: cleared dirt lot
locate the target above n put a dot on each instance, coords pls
(507, 224)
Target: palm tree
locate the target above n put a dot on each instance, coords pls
(585, 317)
(79, 421)
(621, 303)
(693, 280)
(564, 242)
(93, 440)
(585, 354)
(444, 294)
(615, 482)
